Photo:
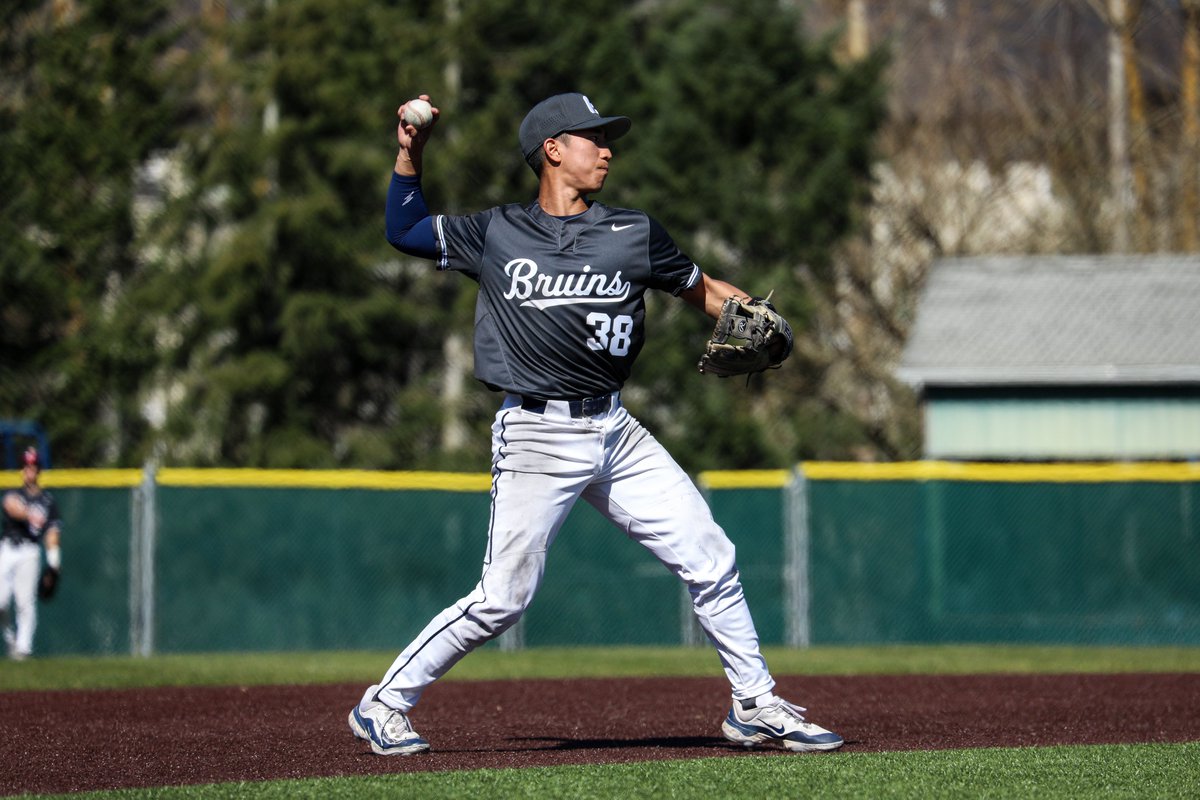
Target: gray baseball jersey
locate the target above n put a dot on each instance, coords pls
(561, 305)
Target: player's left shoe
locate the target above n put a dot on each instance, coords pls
(777, 722)
(387, 730)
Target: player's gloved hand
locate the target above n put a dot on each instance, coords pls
(48, 585)
(749, 337)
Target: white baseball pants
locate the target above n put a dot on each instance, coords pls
(20, 569)
(541, 464)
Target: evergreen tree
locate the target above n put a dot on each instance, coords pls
(754, 147)
(247, 311)
(304, 341)
(309, 343)
(750, 143)
(86, 98)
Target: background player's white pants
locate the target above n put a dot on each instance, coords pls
(541, 464)
(20, 568)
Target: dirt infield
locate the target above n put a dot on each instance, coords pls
(85, 740)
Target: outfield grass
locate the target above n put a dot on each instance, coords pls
(1116, 771)
(251, 669)
(1054, 772)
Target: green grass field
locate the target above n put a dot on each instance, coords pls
(1057, 772)
(254, 669)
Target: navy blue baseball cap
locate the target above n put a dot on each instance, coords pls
(562, 113)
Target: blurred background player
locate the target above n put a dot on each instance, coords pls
(31, 523)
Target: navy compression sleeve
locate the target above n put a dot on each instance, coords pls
(409, 226)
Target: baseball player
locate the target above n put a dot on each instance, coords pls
(31, 522)
(558, 324)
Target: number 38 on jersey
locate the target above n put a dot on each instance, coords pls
(610, 334)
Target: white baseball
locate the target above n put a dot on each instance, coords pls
(418, 113)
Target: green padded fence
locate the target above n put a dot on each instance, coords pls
(91, 611)
(93, 608)
(1046, 554)
(1112, 573)
(231, 560)
(752, 508)
(241, 568)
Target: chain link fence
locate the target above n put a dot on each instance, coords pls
(237, 560)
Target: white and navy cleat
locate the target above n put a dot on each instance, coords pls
(387, 730)
(779, 722)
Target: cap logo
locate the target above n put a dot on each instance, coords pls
(588, 103)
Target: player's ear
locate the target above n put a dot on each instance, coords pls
(552, 148)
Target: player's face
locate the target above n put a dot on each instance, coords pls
(585, 157)
(30, 474)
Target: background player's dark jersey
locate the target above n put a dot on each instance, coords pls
(561, 304)
(17, 530)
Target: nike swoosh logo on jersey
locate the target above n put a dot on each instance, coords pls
(617, 227)
(409, 198)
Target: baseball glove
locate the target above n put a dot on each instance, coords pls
(749, 337)
(48, 585)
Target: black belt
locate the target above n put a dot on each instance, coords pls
(15, 541)
(583, 407)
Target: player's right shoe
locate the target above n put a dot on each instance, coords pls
(387, 730)
(777, 722)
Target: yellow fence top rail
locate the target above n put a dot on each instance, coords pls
(1159, 472)
(326, 479)
(260, 478)
(745, 479)
(78, 478)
